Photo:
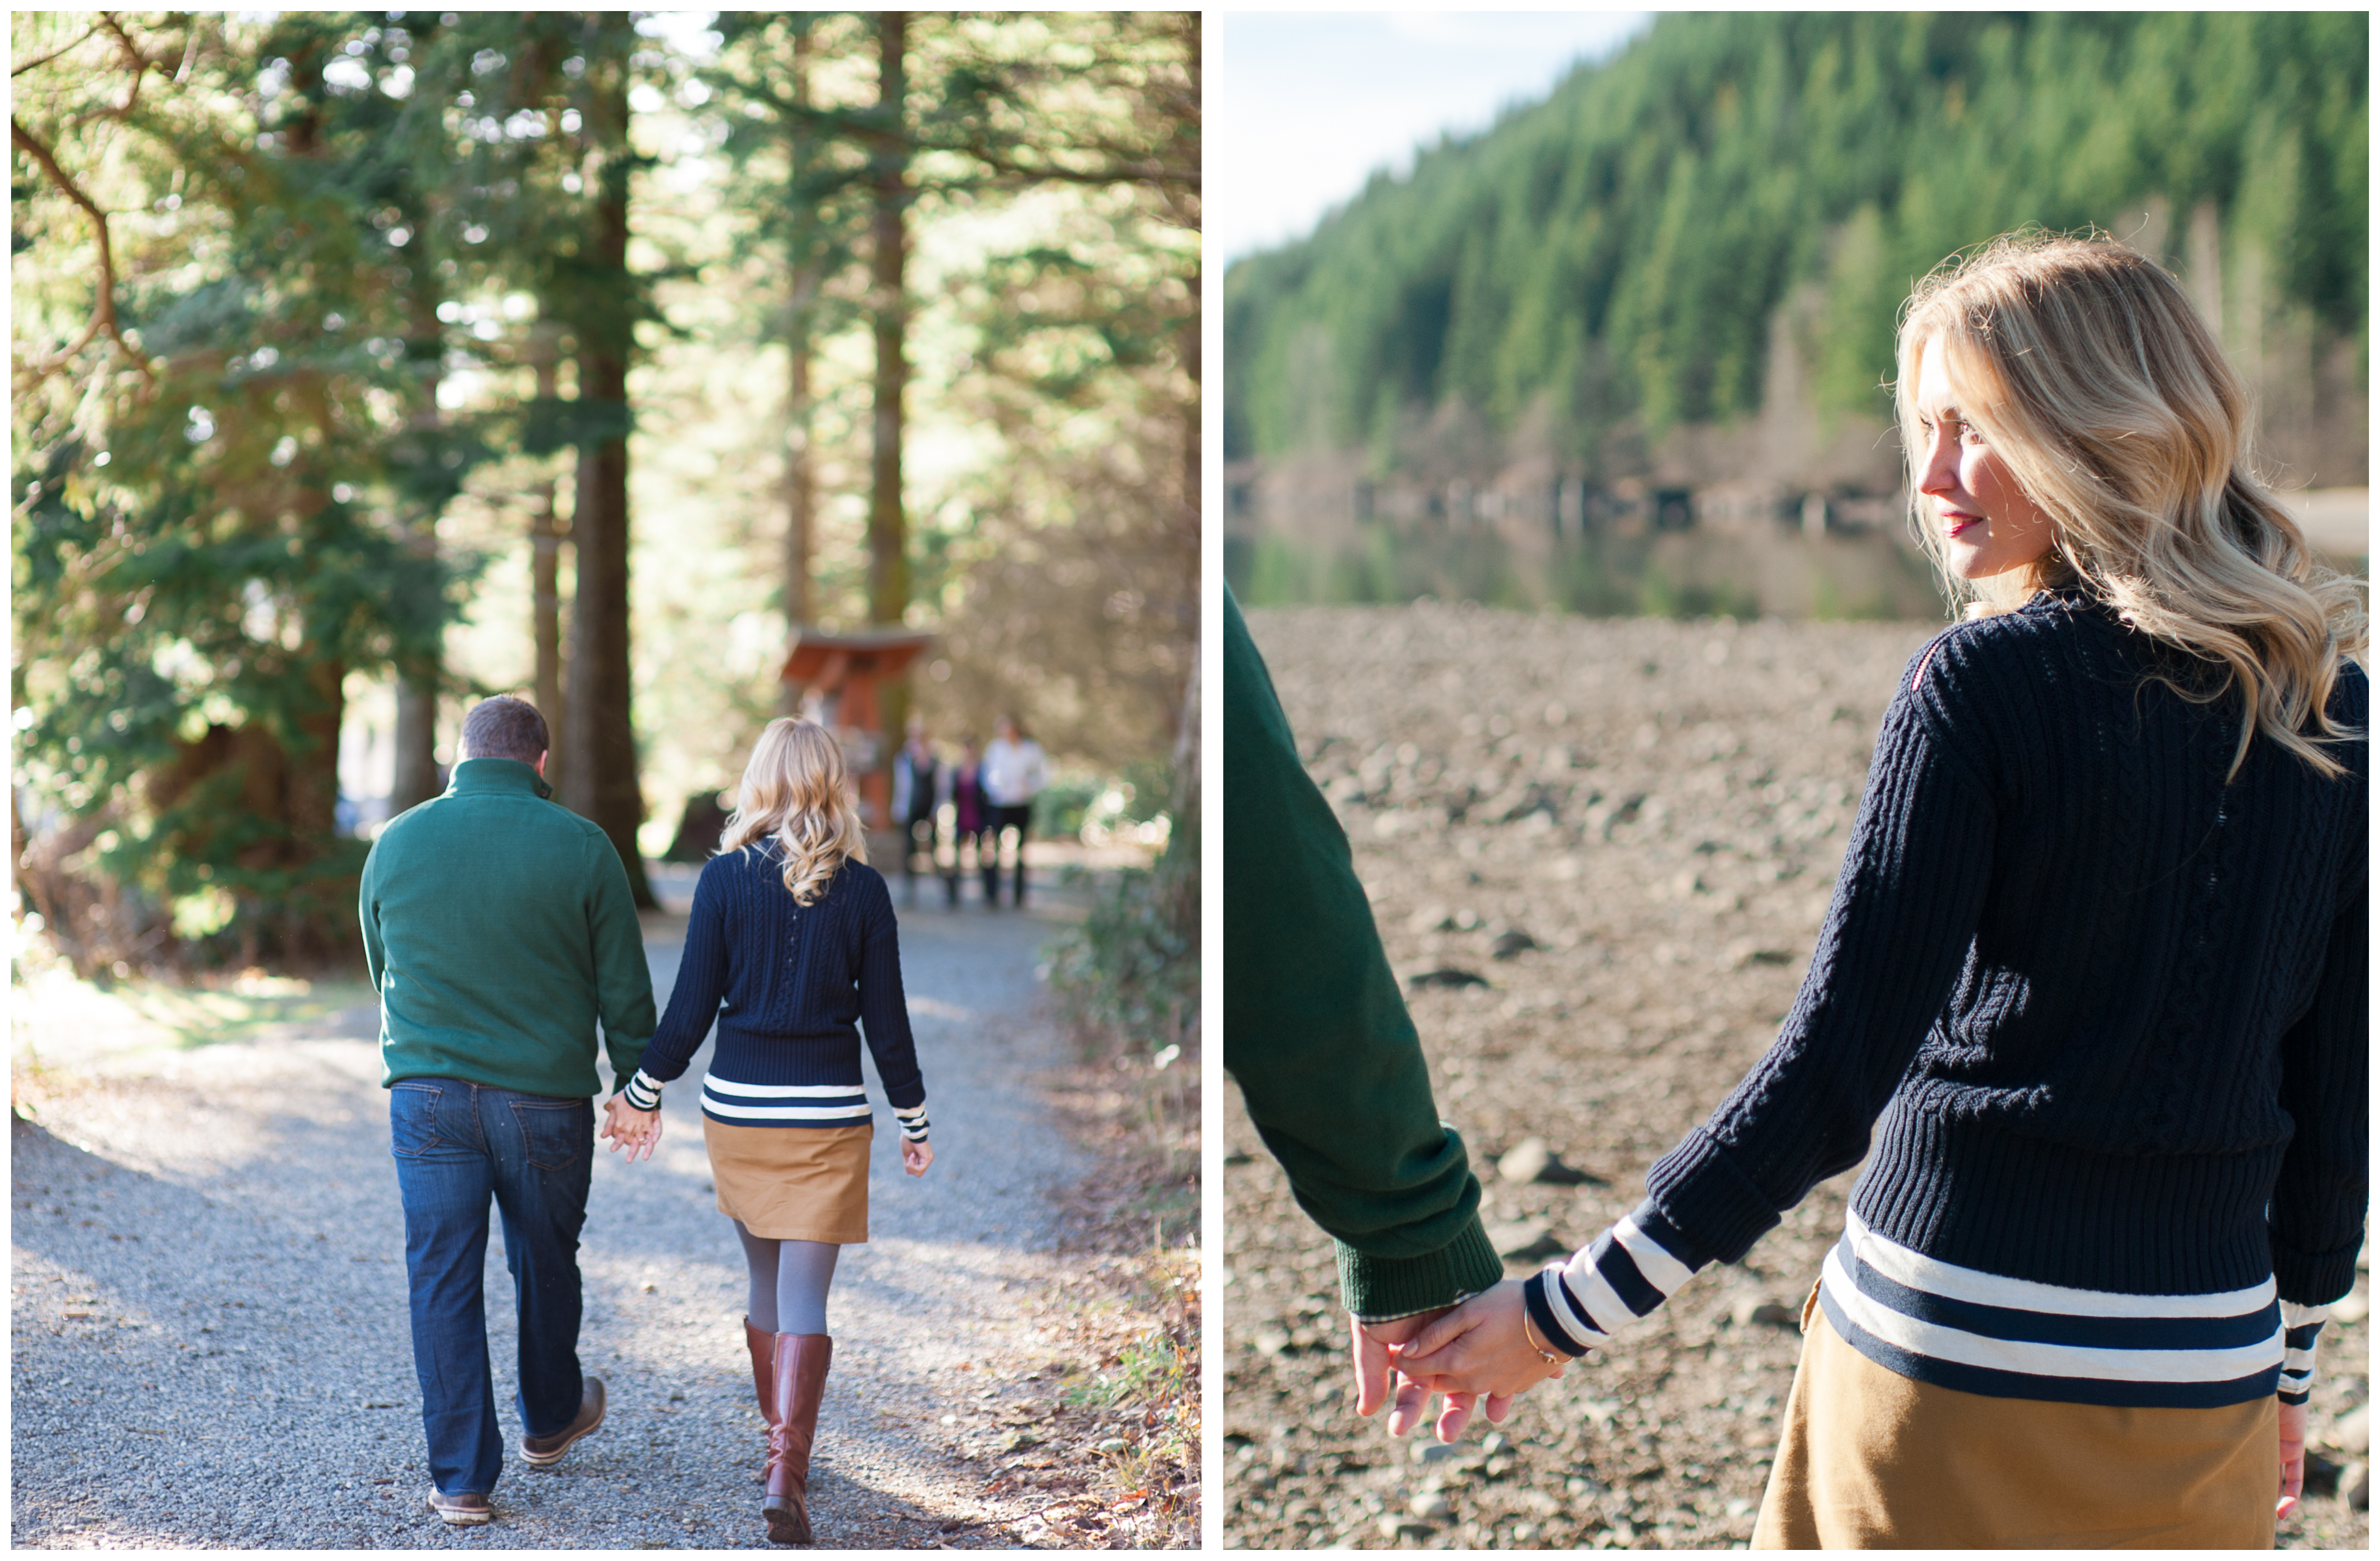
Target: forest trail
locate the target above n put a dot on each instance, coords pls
(209, 1318)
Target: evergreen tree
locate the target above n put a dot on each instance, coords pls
(1613, 256)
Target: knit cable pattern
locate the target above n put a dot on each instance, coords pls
(2093, 1008)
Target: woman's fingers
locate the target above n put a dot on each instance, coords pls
(1437, 1334)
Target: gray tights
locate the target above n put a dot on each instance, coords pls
(789, 1282)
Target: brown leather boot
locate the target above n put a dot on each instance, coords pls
(798, 1377)
(761, 1345)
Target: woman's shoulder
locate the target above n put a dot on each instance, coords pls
(2011, 645)
(861, 889)
(754, 856)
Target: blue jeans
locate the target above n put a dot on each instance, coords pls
(457, 1144)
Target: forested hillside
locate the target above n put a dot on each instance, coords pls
(1622, 258)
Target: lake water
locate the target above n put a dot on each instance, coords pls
(1782, 572)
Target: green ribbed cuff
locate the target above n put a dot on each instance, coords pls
(1378, 1288)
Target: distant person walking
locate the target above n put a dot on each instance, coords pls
(970, 819)
(916, 777)
(1013, 774)
(498, 930)
(795, 931)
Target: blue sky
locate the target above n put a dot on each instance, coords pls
(1303, 107)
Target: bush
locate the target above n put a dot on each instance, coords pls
(1126, 976)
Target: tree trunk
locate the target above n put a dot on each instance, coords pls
(800, 490)
(546, 534)
(888, 559)
(545, 587)
(601, 762)
(415, 780)
(1178, 873)
(888, 540)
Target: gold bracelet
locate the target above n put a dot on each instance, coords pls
(1547, 1356)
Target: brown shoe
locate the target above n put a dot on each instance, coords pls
(544, 1452)
(798, 1375)
(462, 1509)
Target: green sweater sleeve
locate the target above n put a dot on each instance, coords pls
(368, 910)
(623, 981)
(1316, 1033)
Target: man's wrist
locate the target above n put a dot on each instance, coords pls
(1378, 1289)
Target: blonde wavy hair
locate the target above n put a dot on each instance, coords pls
(796, 790)
(2092, 377)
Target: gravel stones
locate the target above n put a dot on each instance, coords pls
(209, 1323)
(1531, 1161)
(2352, 1432)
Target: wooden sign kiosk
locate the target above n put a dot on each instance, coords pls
(835, 678)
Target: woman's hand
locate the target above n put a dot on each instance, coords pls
(2293, 1432)
(1482, 1345)
(629, 1129)
(915, 1155)
(1375, 1347)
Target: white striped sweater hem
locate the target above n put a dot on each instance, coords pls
(1982, 1333)
(786, 1106)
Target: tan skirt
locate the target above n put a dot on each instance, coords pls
(1872, 1461)
(793, 1184)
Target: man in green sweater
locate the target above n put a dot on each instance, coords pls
(1327, 1058)
(499, 929)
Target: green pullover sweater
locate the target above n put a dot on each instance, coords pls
(499, 928)
(1316, 1033)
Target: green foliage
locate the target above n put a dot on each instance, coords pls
(285, 406)
(211, 534)
(1614, 255)
(1126, 976)
(1151, 1369)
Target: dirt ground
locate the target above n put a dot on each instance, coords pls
(1660, 808)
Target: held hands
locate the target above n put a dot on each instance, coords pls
(915, 1155)
(1482, 1346)
(2293, 1432)
(1377, 1347)
(629, 1129)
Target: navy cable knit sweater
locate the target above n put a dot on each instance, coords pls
(2100, 1014)
(799, 983)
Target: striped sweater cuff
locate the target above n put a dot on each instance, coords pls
(913, 1122)
(643, 1091)
(2299, 1325)
(1627, 1272)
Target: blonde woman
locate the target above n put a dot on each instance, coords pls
(2090, 997)
(791, 948)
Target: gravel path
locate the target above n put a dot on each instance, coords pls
(209, 1317)
(1662, 808)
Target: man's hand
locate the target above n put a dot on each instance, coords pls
(1481, 1347)
(629, 1129)
(915, 1155)
(1376, 1347)
(2293, 1432)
